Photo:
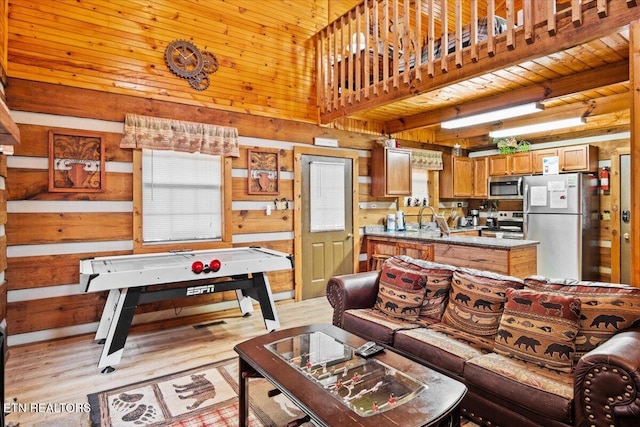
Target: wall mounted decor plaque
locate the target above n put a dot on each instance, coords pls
(76, 161)
(263, 171)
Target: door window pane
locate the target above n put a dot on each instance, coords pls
(327, 211)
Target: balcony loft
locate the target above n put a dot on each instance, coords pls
(406, 65)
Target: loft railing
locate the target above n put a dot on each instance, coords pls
(379, 45)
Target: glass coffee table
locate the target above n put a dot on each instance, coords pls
(316, 367)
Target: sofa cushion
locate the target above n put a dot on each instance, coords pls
(539, 327)
(401, 290)
(374, 325)
(438, 283)
(477, 300)
(605, 308)
(549, 393)
(442, 346)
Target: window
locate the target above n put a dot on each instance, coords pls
(181, 197)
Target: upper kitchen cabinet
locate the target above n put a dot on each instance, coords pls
(390, 172)
(456, 177)
(480, 177)
(510, 164)
(574, 158)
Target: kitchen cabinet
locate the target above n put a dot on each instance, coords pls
(390, 172)
(578, 158)
(456, 177)
(573, 158)
(510, 164)
(538, 155)
(480, 177)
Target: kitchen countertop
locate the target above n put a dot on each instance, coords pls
(481, 242)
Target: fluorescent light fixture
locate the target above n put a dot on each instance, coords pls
(538, 127)
(492, 116)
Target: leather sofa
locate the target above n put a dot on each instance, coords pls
(588, 375)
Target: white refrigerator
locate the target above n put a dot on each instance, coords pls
(562, 213)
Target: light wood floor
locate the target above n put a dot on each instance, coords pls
(65, 371)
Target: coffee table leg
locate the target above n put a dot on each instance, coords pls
(245, 372)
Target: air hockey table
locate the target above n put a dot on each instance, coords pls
(131, 280)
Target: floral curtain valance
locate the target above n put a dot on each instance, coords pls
(426, 159)
(166, 134)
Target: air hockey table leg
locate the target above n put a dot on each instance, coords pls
(262, 291)
(107, 315)
(119, 329)
(245, 303)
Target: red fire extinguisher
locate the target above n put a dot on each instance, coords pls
(604, 179)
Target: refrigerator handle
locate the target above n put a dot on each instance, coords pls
(520, 186)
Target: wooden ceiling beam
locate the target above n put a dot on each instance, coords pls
(598, 77)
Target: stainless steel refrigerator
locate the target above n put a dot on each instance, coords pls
(562, 213)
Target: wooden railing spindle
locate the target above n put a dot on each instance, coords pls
(376, 47)
(511, 25)
(430, 40)
(527, 13)
(407, 42)
(396, 46)
(444, 39)
(474, 30)
(368, 51)
(418, 40)
(551, 17)
(576, 12)
(491, 16)
(458, 32)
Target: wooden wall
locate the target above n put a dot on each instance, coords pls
(48, 233)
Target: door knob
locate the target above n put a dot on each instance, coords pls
(349, 236)
(625, 236)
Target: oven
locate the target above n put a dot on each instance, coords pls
(505, 187)
(509, 226)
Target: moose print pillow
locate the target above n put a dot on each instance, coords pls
(402, 289)
(540, 328)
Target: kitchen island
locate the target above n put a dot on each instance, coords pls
(506, 256)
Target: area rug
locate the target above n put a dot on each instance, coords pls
(203, 396)
(198, 397)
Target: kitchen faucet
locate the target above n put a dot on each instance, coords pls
(420, 215)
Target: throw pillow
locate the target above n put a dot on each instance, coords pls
(401, 290)
(539, 327)
(477, 300)
(438, 283)
(606, 308)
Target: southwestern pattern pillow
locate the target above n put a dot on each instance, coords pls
(477, 299)
(401, 290)
(606, 308)
(539, 327)
(438, 283)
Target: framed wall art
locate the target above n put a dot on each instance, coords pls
(76, 161)
(263, 171)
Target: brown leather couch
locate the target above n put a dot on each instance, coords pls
(602, 389)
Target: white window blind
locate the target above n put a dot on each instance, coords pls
(182, 196)
(326, 196)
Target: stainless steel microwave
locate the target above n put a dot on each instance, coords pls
(506, 187)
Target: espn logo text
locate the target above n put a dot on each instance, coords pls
(201, 290)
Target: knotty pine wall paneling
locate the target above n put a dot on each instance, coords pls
(264, 50)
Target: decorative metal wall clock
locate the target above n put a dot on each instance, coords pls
(185, 60)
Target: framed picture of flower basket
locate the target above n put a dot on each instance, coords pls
(76, 162)
(263, 171)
